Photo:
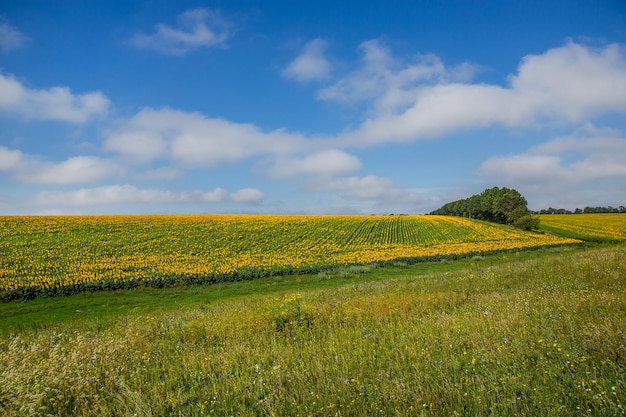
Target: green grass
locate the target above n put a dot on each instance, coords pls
(537, 334)
(105, 307)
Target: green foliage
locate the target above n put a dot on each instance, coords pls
(527, 222)
(498, 205)
(586, 210)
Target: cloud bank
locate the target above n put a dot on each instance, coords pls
(129, 194)
(569, 84)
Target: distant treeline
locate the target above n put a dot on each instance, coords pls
(609, 209)
(497, 205)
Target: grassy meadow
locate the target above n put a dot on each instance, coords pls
(535, 333)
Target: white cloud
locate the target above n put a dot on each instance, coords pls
(56, 103)
(328, 163)
(10, 38)
(130, 194)
(311, 64)
(248, 196)
(525, 169)
(139, 144)
(196, 28)
(10, 159)
(192, 140)
(573, 82)
(369, 188)
(388, 83)
(563, 168)
(569, 84)
(75, 170)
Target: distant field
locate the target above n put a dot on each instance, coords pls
(63, 254)
(604, 227)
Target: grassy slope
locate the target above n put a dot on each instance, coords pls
(543, 336)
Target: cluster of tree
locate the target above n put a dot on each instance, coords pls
(609, 209)
(498, 205)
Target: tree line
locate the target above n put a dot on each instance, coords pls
(497, 205)
(609, 209)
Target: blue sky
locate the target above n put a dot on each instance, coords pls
(309, 107)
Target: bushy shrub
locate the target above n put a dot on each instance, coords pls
(527, 222)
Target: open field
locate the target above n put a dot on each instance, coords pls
(64, 255)
(530, 333)
(601, 227)
(538, 337)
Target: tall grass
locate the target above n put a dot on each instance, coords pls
(542, 337)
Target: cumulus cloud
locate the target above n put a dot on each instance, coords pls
(331, 162)
(368, 188)
(130, 194)
(248, 196)
(311, 64)
(56, 103)
(572, 158)
(389, 83)
(196, 28)
(10, 159)
(75, 170)
(138, 142)
(10, 38)
(570, 166)
(193, 140)
(569, 84)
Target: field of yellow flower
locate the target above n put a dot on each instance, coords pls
(600, 227)
(64, 254)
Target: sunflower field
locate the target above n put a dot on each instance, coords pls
(59, 255)
(598, 227)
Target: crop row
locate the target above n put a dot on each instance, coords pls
(64, 255)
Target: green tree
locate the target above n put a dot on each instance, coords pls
(498, 205)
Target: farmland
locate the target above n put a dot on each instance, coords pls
(604, 227)
(369, 332)
(64, 255)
